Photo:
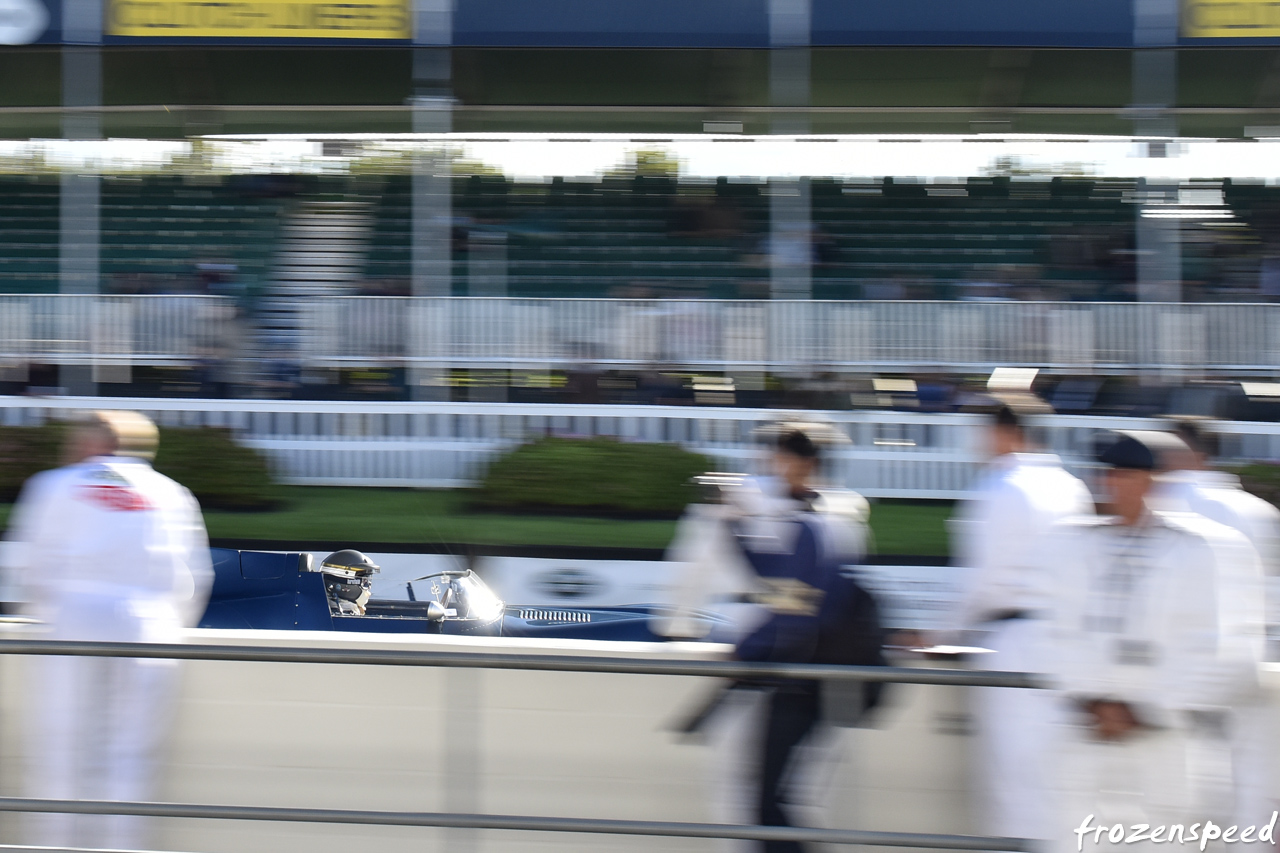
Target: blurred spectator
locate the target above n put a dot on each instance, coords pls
(108, 550)
(1190, 485)
(764, 554)
(1145, 632)
(999, 534)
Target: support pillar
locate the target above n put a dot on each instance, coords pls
(79, 218)
(790, 220)
(431, 244)
(1155, 91)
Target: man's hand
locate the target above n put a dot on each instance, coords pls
(1112, 720)
(905, 640)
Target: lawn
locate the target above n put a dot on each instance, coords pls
(426, 517)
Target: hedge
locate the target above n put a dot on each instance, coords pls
(219, 472)
(25, 451)
(1261, 479)
(592, 476)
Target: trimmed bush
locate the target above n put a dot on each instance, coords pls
(219, 472)
(25, 451)
(600, 476)
(1261, 479)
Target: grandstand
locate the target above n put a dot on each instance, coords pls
(28, 235)
(158, 235)
(166, 234)
(639, 237)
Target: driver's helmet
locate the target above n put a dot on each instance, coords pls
(346, 580)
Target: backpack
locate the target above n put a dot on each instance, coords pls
(849, 630)
(850, 633)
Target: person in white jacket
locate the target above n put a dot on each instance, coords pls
(999, 535)
(1189, 484)
(1145, 632)
(111, 550)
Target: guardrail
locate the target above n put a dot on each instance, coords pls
(742, 670)
(534, 662)
(738, 336)
(443, 445)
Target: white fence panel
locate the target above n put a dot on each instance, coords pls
(790, 336)
(890, 455)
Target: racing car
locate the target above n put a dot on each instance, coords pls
(287, 591)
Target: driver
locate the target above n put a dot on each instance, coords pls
(347, 573)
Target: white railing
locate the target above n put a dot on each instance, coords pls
(801, 336)
(113, 333)
(890, 455)
(794, 335)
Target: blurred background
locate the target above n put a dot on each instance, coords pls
(347, 256)
(383, 244)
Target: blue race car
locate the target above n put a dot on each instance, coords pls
(273, 591)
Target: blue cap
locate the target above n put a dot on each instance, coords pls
(1127, 450)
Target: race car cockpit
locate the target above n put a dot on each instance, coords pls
(456, 596)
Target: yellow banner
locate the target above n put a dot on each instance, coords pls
(278, 19)
(1224, 19)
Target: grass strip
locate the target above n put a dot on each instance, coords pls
(331, 514)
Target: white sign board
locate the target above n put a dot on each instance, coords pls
(586, 583)
(914, 597)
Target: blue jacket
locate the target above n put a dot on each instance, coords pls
(788, 555)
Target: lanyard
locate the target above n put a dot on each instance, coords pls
(1128, 563)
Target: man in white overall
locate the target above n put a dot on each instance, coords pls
(999, 536)
(1189, 484)
(109, 550)
(1145, 631)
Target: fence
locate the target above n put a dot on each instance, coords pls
(114, 333)
(794, 335)
(517, 661)
(436, 445)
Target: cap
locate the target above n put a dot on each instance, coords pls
(1136, 449)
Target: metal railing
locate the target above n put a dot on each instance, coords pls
(781, 336)
(112, 331)
(436, 445)
(517, 661)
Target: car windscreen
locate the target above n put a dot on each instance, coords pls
(461, 594)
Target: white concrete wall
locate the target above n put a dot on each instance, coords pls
(565, 744)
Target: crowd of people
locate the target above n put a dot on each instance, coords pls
(1149, 623)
